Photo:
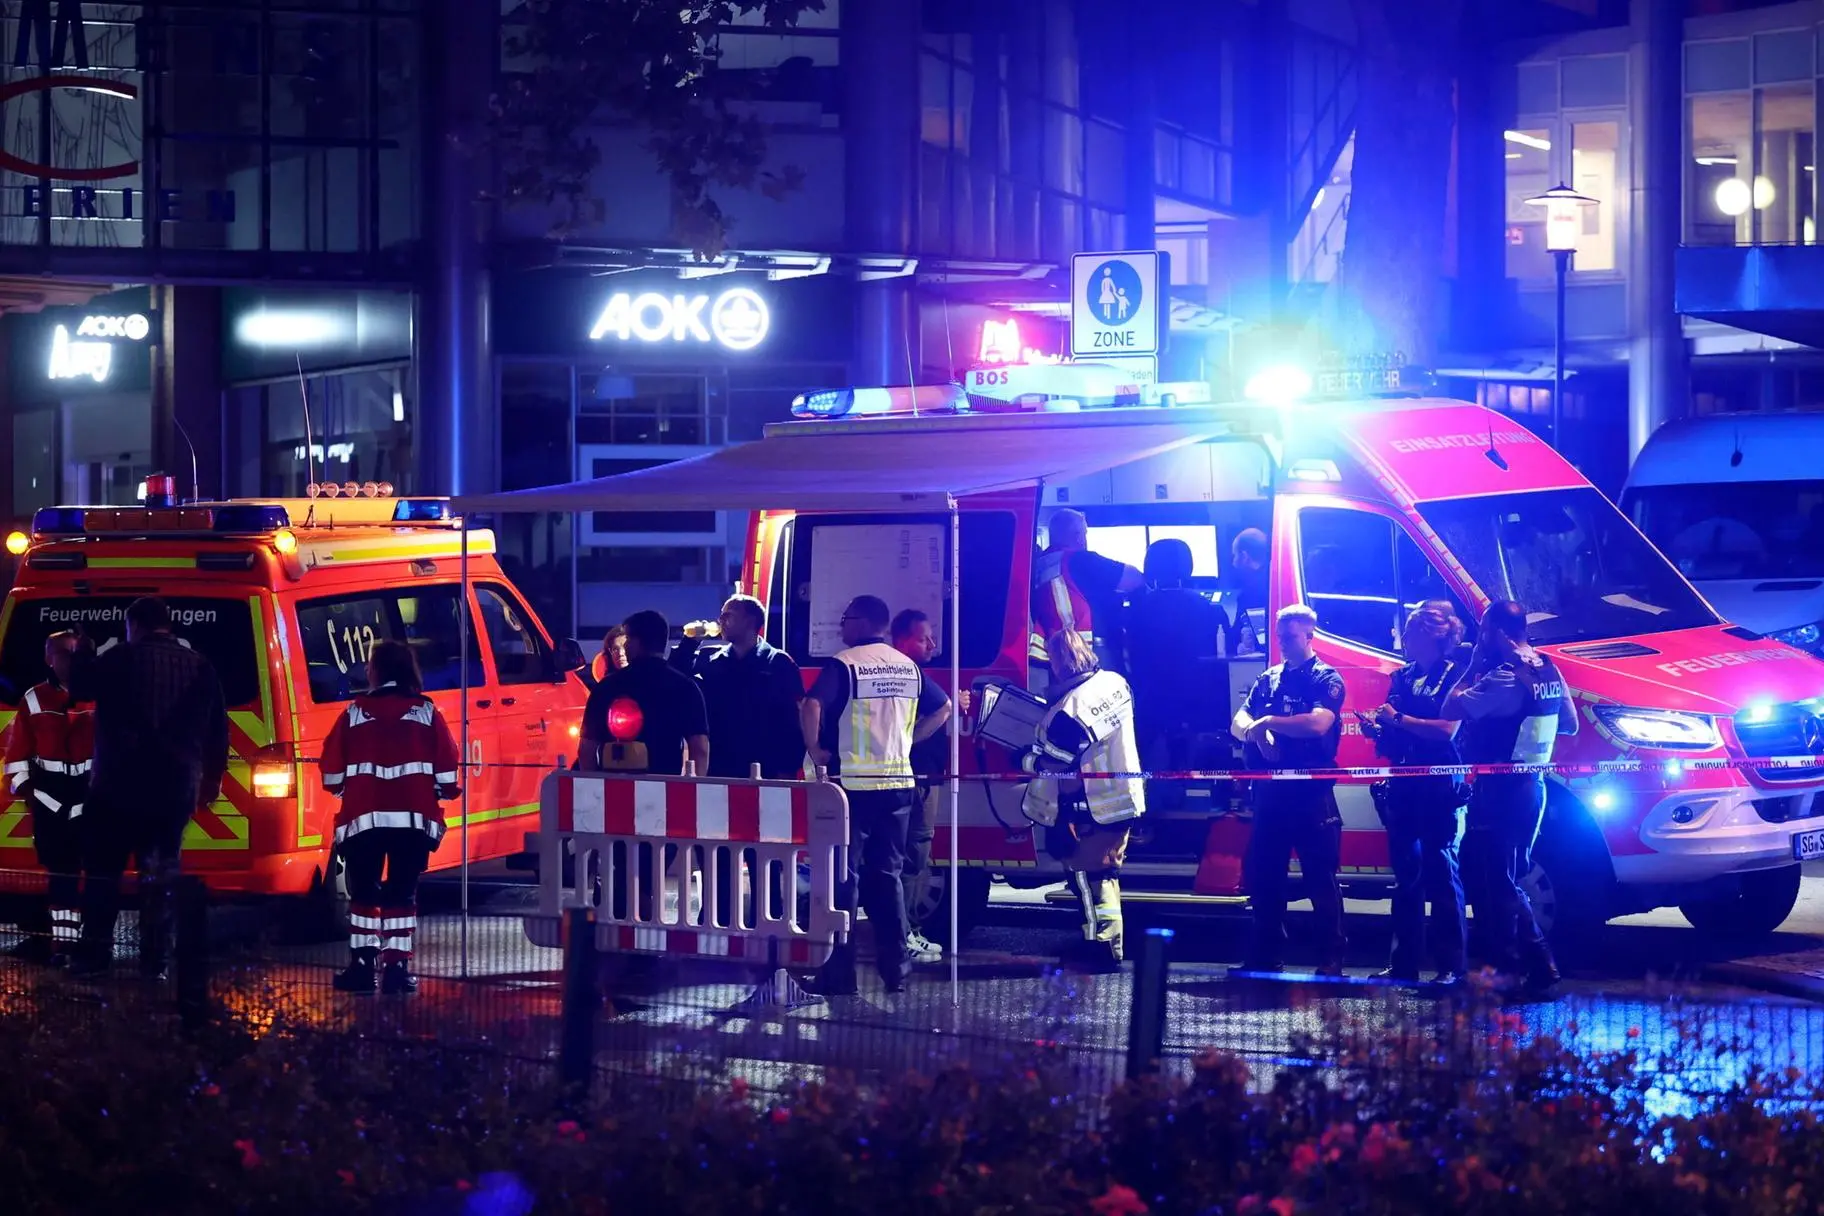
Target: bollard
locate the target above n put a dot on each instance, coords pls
(1146, 1019)
(190, 953)
(576, 1045)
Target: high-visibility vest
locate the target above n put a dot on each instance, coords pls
(1102, 707)
(874, 730)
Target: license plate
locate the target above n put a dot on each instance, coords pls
(1808, 846)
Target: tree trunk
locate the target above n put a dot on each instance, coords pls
(1393, 262)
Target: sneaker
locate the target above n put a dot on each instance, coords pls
(396, 980)
(922, 950)
(358, 977)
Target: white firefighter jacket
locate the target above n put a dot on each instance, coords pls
(874, 726)
(1088, 728)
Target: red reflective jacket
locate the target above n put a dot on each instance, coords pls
(390, 758)
(49, 750)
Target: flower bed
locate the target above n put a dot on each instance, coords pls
(118, 1113)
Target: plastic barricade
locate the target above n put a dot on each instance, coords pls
(701, 867)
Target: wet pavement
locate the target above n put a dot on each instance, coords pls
(1651, 985)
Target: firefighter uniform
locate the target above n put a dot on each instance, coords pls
(872, 697)
(1513, 712)
(391, 759)
(48, 755)
(1295, 816)
(1089, 729)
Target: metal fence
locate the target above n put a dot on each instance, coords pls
(485, 988)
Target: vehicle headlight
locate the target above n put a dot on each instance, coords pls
(1665, 729)
(1805, 637)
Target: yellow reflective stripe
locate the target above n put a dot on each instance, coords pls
(505, 812)
(297, 733)
(142, 563)
(8, 821)
(198, 839)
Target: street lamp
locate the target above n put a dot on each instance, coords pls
(1563, 225)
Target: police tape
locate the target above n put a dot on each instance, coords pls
(1672, 768)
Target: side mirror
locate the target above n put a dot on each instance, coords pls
(570, 657)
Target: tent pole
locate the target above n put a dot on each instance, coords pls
(468, 777)
(956, 741)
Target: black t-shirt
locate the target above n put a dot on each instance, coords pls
(1168, 630)
(671, 709)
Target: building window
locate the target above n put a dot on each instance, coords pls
(360, 430)
(1785, 166)
(1529, 165)
(1750, 142)
(1594, 149)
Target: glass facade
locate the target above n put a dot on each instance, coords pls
(1751, 140)
(1573, 129)
(360, 430)
(274, 125)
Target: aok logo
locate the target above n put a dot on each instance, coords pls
(134, 327)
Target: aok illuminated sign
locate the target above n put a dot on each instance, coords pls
(90, 351)
(737, 319)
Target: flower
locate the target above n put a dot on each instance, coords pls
(250, 1156)
(1304, 1159)
(567, 1128)
(1248, 1205)
(781, 1115)
(347, 1177)
(212, 1091)
(738, 1088)
(1118, 1200)
(1282, 1206)
(938, 1190)
(1633, 1032)
(463, 1184)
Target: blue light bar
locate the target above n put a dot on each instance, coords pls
(251, 518)
(51, 520)
(422, 511)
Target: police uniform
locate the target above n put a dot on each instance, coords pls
(1295, 816)
(48, 754)
(1513, 714)
(872, 697)
(1424, 821)
(391, 759)
(1089, 728)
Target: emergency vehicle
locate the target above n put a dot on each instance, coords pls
(1371, 506)
(287, 598)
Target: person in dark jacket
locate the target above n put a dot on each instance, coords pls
(751, 690)
(161, 750)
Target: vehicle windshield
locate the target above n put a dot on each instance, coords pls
(1742, 529)
(1581, 570)
(220, 629)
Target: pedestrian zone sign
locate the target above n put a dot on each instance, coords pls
(1117, 304)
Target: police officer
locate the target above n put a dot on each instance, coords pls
(1088, 728)
(47, 766)
(392, 761)
(1513, 704)
(1423, 815)
(1291, 720)
(870, 704)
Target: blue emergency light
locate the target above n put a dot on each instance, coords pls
(233, 518)
(422, 511)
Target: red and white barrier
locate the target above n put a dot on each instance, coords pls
(693, 866)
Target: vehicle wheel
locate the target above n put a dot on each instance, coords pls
(1571, 884)
(322, 915)
(930, 903)
(1761, 905)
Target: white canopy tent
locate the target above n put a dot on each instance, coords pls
(855, 471)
